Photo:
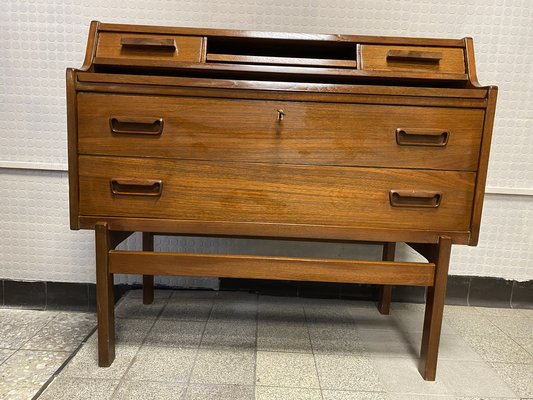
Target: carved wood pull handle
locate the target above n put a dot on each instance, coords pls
(136, 187)
(422, 137)
(152, 43)
(414, 55)
(138, 127)
(415, 198)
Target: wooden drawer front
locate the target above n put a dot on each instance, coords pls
(337, 196)
(251, 131)
(147, 49)
(412, 58)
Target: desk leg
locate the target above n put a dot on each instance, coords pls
(148, 280)
(385, 291)
(105, 298)
(440, 255)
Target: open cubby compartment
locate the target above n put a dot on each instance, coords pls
(304, 53)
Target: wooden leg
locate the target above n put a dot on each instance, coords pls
(148, 280)
(105, 299)
(385, 291)
(434, 309)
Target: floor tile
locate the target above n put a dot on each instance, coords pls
(29, 366)
(18, 326)
(283, 393)
(519, 327)
(498, 349)
(371, 319)
(236, 334)
(220, 392)
(146, 390)
(233, 312)
(175, 334)
(519, 377)
(133, 307)
(63, 388)
(18, 390)
(500, 312)
(158, 294)
(345, 372)
(334, 339)
(165, 364)
(400, 375)
(226, 367)
(525, 343)
(130, 332)
(451, 310)
(410, 321)
(283, 336)
(330, 314)
(350, 395)
(85, 363)
(191, 310)
(286, 369)
(470, 378)
(63, 333)
(412, 396)
(452, 347)
(5, 354)
(472, 325)
(396, 306)
(390, 343)
(278, 312)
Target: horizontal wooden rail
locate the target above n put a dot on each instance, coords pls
(279, 268)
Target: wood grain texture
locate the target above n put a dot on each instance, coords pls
(483, 165)
(105, 300)
(297, 90)
(274, 230)
(280, 268)
(436, 294)
(357, 197)
(244, 59)
(148, 280)
(385, 291)
(280, 35)
(415, 58)
(72, 136)
(310, 133)
(111, 46)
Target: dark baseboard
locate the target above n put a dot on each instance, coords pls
(462, 290)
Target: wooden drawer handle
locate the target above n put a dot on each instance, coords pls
(149, 43)
(137, 127)
(422, 137)
(414, 55)
(136, 187)
(415, 198)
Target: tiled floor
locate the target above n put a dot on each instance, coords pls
(207, 345)
(34, 344)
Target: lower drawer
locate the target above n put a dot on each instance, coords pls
(238, 192)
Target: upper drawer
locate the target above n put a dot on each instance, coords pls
(446, 60)
(279, 131)
(144, 49)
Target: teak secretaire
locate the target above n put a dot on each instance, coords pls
(280, 135)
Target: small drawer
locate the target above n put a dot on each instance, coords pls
(445, 60)
(143, 49)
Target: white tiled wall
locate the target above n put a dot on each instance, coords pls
(40, 38)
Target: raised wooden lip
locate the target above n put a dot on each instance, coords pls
(280, 86)
(191, 31)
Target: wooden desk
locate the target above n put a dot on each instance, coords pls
(281, 135)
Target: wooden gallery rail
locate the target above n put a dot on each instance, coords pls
(181, 131)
